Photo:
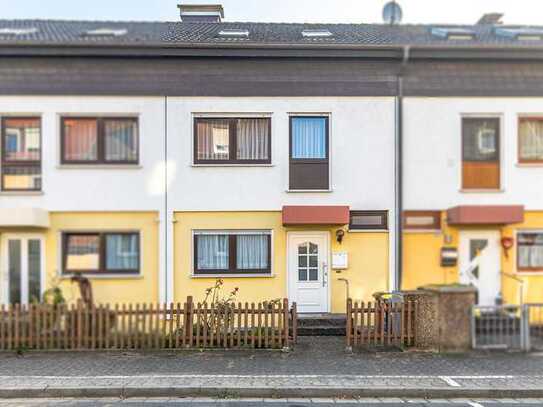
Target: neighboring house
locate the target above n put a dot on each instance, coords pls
(156, 157)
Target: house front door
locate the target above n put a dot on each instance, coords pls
(479, 263)
(308, 256)
(21, 268)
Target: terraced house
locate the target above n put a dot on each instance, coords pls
(313, 161)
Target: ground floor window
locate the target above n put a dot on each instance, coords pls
(101, 253)
(368, 220)
(232, 252)
(530, 251)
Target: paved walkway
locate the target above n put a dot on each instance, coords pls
(316, 368)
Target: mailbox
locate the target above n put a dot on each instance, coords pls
(449, 256)
(340, 260)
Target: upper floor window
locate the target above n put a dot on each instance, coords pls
(309, 153)
(90, 140)
(530, 140)
(530, 251)
(232, 141)
(481, 153)
(21, 154)
(368, 220)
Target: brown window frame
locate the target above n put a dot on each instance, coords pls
(232, 141)
(436, 215)
(382, 213)
(520, 159)
(526, 269)
(16, 163)
(232, 257)
(101, 253)
(293, 162)
(100, 137)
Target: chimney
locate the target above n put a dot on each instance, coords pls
(490, 19)
(201, 13)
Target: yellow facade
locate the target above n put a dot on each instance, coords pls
(106, 289)
(421, 259)
(368, 258)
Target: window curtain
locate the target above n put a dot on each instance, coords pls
(212, 252)
(308, 137)
(253, 139)
(252, 252)
(531, 139)
(530, 251)
(121, 140)
(22, 139)
(480, 140)
(213, 138)
(80, 140)
(122, 252)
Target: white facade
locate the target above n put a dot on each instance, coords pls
(432, 138)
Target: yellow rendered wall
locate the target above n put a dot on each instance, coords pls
(368, 259)
(127, 289)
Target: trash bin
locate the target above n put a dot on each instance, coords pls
(392, 319)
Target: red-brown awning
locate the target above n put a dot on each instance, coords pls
(315, 215)
(485, 215)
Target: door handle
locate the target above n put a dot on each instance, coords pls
(324, 274)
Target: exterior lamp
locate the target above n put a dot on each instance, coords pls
(507, 244)
(340, 233)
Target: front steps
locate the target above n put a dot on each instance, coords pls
(322, 324)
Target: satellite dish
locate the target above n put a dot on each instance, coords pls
(392, 13)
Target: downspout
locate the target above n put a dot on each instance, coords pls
(399, 171)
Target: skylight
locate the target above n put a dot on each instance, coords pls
(521, 34)
(453, 33)
(234, 33)
(106, 32)
(18, 31)
(317, 33)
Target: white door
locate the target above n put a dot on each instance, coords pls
(308, 255)
(21, 268)
(479, 263)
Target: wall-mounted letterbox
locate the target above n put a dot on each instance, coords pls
(449, 256)
(340, 260)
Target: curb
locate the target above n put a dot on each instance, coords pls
(265, 392)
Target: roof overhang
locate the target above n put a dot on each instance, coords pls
(466, 215)
(315, 215)
(24, 218)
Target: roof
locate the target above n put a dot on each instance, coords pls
(180, 34)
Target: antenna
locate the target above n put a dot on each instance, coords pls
(392, 13)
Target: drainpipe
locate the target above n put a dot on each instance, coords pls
(399, 171)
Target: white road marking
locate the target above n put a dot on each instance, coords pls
(474, 404)
(450, 381)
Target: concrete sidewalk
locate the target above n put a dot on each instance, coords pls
(317, 367)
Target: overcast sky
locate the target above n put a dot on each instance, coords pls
(340, 11)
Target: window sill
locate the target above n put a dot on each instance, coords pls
(530, 165)
(482, 191)
(233, 276)
(105, 276)
(99, 167)
(232, 165)
(21, 193)
(308, 191)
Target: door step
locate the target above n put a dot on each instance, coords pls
(322, 324)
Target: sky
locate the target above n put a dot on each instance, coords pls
(328, 11)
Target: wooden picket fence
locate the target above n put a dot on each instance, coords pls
(148, 326)
(381, 324)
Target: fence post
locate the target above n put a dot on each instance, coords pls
(349, 346)
(189, 321)
(285, 325)
(294, 316)
(525, 328)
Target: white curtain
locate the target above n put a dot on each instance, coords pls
(531, 139)
(530, 250)
(80, 140)
(122, 252)
(212, 252)
(252, 252)
(121, 140)
(253, 139)
(213, 139)
(308, 137)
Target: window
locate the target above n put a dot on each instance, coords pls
(21, 154)
(317, 33)
(234, 33)
(223, 252)
(481, 153)
(101, 253)
(232, 141)
(309, 153)
(422, 220)
(453, 33)
(99, 140)
(530, 140)
(530, 251)
(105, 32)
(369, 220)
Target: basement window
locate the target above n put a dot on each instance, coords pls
(105, 32)
(18, 31)
(520, 34)
(453, 33)
(234, 33)
(316, 33)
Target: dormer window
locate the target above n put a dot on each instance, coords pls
(234, 33)
(317, 33)
(18, 31)
(453, 33)
(105, 32)
(520, 34)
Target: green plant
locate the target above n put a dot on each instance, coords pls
(222, 305)
(53, 296)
